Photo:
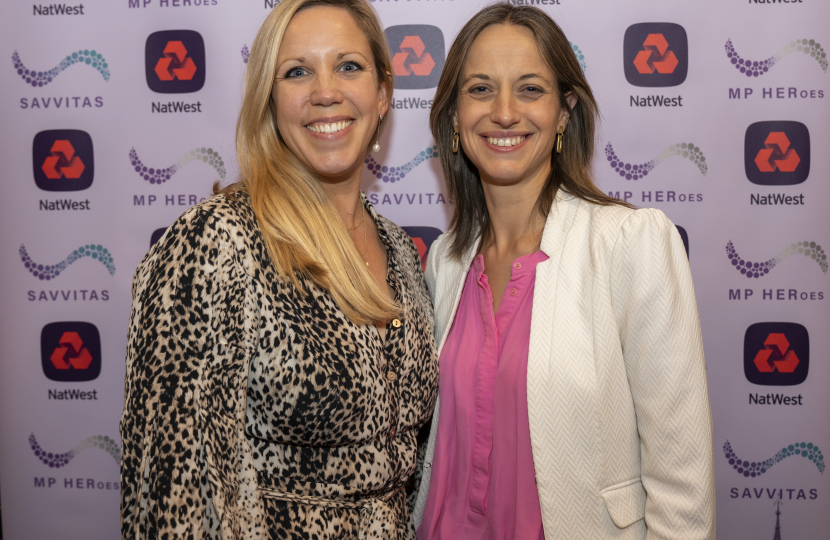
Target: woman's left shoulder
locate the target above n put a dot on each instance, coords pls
(615, 222)
(614, 217)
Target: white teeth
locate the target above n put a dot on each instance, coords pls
(508, 141)
(330, 128)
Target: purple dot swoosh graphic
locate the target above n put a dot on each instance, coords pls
(47, 272)
(631, 171)
(756, 68)
(395, 174)
(751, 469)
(42, 78)
(749, 269)
(159, 176)
(56, 460)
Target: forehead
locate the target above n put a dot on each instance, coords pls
(506, 49)
(322, 29)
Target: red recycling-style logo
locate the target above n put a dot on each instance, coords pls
(777, 155)
(776, 355)
(655, 56)
(412, 58)
(175, 64)
(63, 163)
(71, 352)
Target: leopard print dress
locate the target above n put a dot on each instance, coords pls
(252, 411)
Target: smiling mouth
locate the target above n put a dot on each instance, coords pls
(329, 128)
(506, 141)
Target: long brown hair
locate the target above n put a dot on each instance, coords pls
(300, 226)
(570, 170)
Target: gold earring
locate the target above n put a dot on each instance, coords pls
(455, 140)
(376, 147)
(560, 135)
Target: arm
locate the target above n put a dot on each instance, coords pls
(656, 314)
(181, 294)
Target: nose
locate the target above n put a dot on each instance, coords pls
(505, 112)
(326, 91)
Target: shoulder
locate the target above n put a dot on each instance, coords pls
(218, 227)
(218, 218)
(611, 224)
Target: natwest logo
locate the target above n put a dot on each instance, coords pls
(174, 61)
(418, 55)
(776, 354)
(175, 64)
(63, 160)
(655, 54)
(70, 351)
(777, 153)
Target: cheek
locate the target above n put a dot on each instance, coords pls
(364, 98)
(288, 105)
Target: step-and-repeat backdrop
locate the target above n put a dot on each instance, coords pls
(118, 115)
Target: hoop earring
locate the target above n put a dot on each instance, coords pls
(560, 136)
(376, 147)
(456, 138)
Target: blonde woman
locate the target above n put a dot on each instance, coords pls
(280, 356)
(572, 396)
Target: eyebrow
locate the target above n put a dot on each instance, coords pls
(484, 77)
(302, 59)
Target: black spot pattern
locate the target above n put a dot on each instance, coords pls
(252, 411)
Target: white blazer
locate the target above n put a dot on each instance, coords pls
(620, 424)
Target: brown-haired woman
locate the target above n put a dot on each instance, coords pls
(572, 393)
(266, 395)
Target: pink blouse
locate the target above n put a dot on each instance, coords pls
(483, 480)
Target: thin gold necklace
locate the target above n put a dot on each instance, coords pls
(362, 217)
(364, 240)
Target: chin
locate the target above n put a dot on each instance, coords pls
(504, 176)
(336, 167)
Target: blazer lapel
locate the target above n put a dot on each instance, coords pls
(559, 220)
(558, 402)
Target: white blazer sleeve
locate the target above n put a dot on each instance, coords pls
(431, 273)
(656, 314)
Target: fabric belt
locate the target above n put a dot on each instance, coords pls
(378, 519)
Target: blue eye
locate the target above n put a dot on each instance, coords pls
(293, 73)
(351, 66)
(478, 89)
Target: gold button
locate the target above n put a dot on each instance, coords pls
(391, 376)
(396, 323)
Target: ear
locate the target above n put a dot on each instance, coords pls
(383, 96)
(455, 118)
(564, 115)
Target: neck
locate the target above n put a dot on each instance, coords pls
(515, 224)
(344, 194)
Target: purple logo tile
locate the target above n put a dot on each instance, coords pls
(174, 61)
(655, 54)
(777, 153)
(70, 351)
(63, 160)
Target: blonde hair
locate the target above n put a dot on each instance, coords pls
(302, 229)
(570, 170)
